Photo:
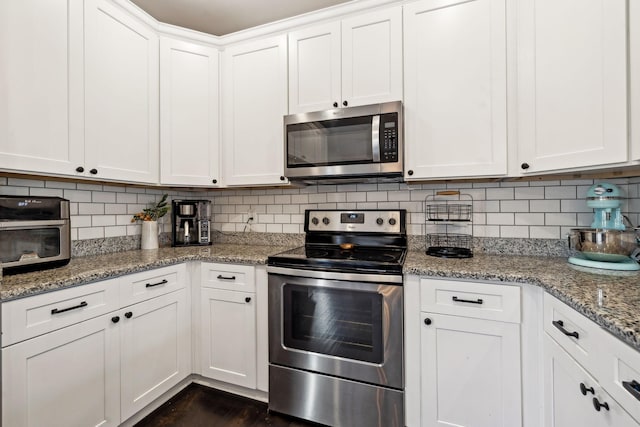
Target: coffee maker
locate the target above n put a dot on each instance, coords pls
(191, 222)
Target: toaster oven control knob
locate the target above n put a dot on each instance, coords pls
(325, 221)
(315, 220)
(379, 221)
(392, 221)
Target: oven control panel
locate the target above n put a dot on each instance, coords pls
(359, 221)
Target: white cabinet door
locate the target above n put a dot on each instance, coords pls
(572, 83)
(372, 57)
(570, 394)
(69, 377)
(41, 86)
(314, 68)
(189, 123)
(634, 73)
(455, 88)
(121, 102)
(254, 102)
(229, 336)
(470, 372)
(155, 349)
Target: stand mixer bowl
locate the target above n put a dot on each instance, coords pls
(604, 245)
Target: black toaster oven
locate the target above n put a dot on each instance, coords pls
(35, 233)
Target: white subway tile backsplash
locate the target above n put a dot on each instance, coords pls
(90, 233)
(103, 220)
(500, 218)
(318, 198)
(514, 206)
(546, 232)
(500, 193)
(377, 196)
(126, 198)
(78, 221)
(515, 231)
(529, 219)
(544, 205)
(21, 182)
(48, 192)
(529, 193)
(78, 196)
(103, 197)
(356, 197)
(90, 209)
(14, 191)
(560, 219)
(565, 192)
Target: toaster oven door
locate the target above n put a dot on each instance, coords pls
(35, 242)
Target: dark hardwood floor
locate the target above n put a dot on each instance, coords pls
(199, 406)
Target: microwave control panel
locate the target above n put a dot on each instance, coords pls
(389, 143)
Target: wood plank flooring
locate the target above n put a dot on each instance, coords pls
(199, 406)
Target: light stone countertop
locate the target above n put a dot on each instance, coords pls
(576, 286)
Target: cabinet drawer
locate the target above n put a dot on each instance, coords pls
(228, 276)
(148, 284)
(469, 299)
(579, 336)
(29, 317)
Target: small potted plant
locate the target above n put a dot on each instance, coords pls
(149, 218)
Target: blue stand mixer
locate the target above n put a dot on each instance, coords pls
(608, 244)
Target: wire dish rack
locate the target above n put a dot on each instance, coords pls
(449, 224)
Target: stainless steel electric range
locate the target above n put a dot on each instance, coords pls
(336, 320)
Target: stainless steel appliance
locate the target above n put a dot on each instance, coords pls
(336, 320)
(345, 143)
(191, 222)
(35, 233)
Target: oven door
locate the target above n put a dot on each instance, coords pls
(339, 326)
(26, 243)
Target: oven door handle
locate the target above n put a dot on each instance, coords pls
(20, 225)
(332, 275)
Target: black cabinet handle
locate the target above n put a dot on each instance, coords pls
(598, 405)
(584, 389)
(75, 307)
(525, 166)
(456, 299)
(632, 387)
(247, 299)
(221, 277)
(409, 172)
(128, 314)
(282, 178)
(93, 171)
(560, 325)
(151, 285)
(345, 103)
(335, 105)
(79, 169)
(427, 321)
(115, 319)
(215, 181)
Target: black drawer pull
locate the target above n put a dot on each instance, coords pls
(58, 311)
(632, 387)
(221, 277)
(598, 405)
(584, 390)
(560, 325)
(151, 285)
(478, 301)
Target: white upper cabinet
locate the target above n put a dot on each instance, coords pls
(455, 105)
(121, 98)
(353, 62)
(634, 69)
(572, 84)
(254, 102)
(189, 123)
(41, 83)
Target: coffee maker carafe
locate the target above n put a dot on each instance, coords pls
(191, 221)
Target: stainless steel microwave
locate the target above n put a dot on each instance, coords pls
(355, 142)
(34, 233)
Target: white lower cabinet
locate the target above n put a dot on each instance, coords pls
(69, 377)
(228, 309)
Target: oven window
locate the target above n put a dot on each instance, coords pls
(330, 142)
(30, 243)
(336, 322)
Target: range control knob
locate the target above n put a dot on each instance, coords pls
(325, 221)
(379, 221)
(392, 221)
(315, 220)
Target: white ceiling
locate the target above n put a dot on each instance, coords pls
(220, 17)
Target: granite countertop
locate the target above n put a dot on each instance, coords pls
(576, 286)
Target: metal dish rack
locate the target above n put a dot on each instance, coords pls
(449, 224)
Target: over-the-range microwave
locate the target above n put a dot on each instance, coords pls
(355, 143)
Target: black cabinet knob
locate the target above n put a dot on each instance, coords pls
(379, 221)
(345, 103)
(282, 178)
(115, 319)
(409, 172)
(93, 171)
(79, 169)
(335, 105)
(525, 166)
(215, 181)
(584, 390)
(598, 405)
(128, 314)
(247, 299)
(427, 321)
(392, 221)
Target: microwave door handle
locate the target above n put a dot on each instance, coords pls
(375, 138)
